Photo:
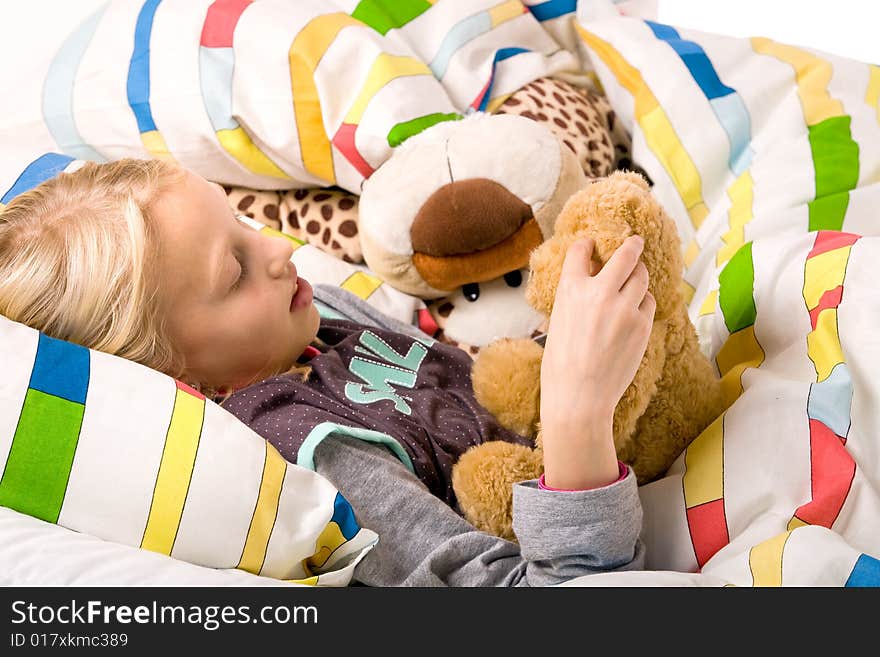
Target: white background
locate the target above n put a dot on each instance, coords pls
(850, 28)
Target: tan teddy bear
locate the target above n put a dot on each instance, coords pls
(674, 395)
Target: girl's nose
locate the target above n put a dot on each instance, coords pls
(280, 265)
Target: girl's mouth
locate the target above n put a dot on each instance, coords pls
(302, 298)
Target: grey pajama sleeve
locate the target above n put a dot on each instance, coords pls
(423, 542)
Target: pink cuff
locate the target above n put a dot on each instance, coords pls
(309, 353)
(621, 469)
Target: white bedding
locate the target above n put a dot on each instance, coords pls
(768, 157)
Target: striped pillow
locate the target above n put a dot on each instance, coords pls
(113, 449)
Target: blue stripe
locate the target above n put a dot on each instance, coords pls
(734, 118)
(500, 56)
(462, 32)
(830, 401)
(866, 572)
(696, 60)
(216, 66)
(343, 515)
(58, 91)
(138, 86)
(61, 369)
(553, 9)
(40, 170)
(726, 103)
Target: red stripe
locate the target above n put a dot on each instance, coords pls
(479, 98)
(220, 22)
(344, 141)
(427, 323)
(708, 527)
(830, 299)
(828, 240)
(832, 470)
(192, 391)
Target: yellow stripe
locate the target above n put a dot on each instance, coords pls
(659, 133)
(693, 250)
(325, 545)
(703, 479)
(741, 194)
(493, 105)
(310, 581)
(824, 272)
(812, 75)
(795, 522)
(361, 284)
(823, 344)
(664, 142)
(687, 291)
(384, 69)
(505, 12)
(741, 350)
(295, 241)
(263, 521)
(305, 54)
(709, 303)
(175, 473)
(765, 561)
(155, 144)
(237, 143)
(872, 96)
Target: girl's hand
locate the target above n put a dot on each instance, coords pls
(597, 336)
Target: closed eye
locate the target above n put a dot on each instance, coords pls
(243, 221)
(241, 275)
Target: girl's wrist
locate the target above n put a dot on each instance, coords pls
(591, 425)
(580, 455)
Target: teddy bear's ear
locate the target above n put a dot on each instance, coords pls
(632, 177)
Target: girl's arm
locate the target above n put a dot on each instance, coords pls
(423, 542)
(597, 337)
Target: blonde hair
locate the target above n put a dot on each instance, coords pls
(79, 262)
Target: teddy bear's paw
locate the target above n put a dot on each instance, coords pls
(506, 378)
(483, 480)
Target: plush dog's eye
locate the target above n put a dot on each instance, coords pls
(513, 278)
(471, 291)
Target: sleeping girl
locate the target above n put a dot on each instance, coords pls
(145, 260)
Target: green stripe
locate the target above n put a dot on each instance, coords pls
(735, 296)
(384, 15)
(836, 161)
(39, 462)
(828, 212)
(403, 131)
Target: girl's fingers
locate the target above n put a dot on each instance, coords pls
(637, 284)
(622, 262)
(648, 305)
(577, 263)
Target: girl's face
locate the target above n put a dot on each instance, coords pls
(234, 304)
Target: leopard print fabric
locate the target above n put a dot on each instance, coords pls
(327, 217)
(582, 118)
(323, 217)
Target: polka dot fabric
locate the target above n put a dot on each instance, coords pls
(324, 218)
